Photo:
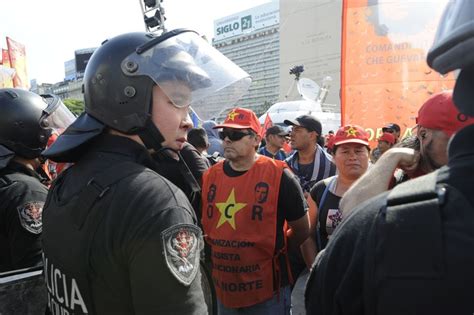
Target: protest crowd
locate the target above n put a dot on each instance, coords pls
(130, 209)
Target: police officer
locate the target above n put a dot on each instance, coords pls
(118, 237)
(26, 123)
(410, 251)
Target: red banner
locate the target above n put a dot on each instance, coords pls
(384, 75)
(267, 124)
(18, 62)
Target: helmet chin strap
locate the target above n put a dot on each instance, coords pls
(151, 136)
(5, 156)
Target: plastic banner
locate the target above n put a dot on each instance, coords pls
(384, 75)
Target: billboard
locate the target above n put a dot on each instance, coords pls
(384, 75)
(82, 58)
(247, 21)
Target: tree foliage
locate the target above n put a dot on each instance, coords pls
(75, 106)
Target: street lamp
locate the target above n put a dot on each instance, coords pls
(153, 15)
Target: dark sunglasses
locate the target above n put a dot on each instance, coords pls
(389, 130)
(233, 135)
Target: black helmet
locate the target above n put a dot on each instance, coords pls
(26, 122)
(120, 77)
(117, 100)
(452, 50)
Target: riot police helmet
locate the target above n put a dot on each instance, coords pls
(27, 121)
(121, 74)
(452, 50)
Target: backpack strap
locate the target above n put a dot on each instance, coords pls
(412, 228)
(6, 180)
(409, 225)
(98, 186)
(328, 186)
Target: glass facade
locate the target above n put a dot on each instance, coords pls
(258, 53)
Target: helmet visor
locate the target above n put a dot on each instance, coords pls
(56, 115)
(454, 41)
(213, 80)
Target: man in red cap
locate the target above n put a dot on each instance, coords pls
(246, 201)
(438, 119)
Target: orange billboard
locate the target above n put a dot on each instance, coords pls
(384, 75)
(17, 55)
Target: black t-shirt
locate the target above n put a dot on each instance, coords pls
(291, 206)
(329, 215)
(129, 257)
(338, 282)
(22, 198)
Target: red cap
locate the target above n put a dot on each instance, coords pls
(330, 141)
(388, 137)
(241, 118)
(350, 134)
(440, 113)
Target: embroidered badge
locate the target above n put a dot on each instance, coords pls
(31, 214)
(182, 245)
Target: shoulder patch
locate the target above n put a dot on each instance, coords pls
(31, 214)
(182, 247)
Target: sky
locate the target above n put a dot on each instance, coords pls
(52, 30)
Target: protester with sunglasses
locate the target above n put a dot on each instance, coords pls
(275, 138)
(246, 201)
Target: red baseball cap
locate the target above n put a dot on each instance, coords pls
(350, 134)
(388, 137)
(241, 118)
(440, 113)
(330, 141)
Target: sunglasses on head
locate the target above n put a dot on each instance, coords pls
(233, 135)
(389, 130)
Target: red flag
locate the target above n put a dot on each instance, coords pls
(287, 147)
(18, 62)
(267, 124)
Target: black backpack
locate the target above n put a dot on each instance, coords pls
(412, 248)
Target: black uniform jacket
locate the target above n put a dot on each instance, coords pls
(22, 197)
(342, 278)
(111, 258)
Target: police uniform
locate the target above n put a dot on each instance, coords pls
(118, 237)
(22, 198)
(126, 244)
(383, 261)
